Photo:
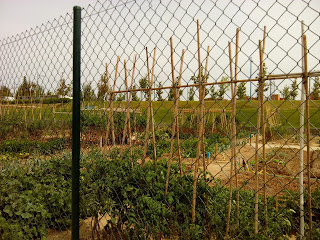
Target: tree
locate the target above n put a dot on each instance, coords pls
(290, 93)
(171, 97)
(265, 85)
(29, 89)
(135, 94)
(143, 82)
(213, 93)
(286, 93)
(49, 93)
(63, 88)
(191, 94)
(121, 97)
(294, 90)
(159, 92)
(241, 91)
(5, 92)
(204, 79)
(87, 92)
(316, 88)
(103, 88)
(223, 88)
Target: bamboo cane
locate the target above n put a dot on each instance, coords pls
(108, 124)
(146, 138)
(305, 80)
(232, 148)
(302, 109)
(202, 135)
(177, 120)
(175, 124)
(130, 97)
(234, 129)
(256, 208)
(263, 125)
(195, 176)
(111, 122)
(202, 119)
(174, 95)
(127, 120)
(151, 110)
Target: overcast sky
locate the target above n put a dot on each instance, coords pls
(123, 28)
(17, 16)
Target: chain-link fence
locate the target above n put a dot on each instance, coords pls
(199, 120)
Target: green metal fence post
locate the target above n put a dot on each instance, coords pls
(76, 123)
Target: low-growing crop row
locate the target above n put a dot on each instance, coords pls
(36, 196)
(32, 146)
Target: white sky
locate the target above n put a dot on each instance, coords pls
(124, 28)
(17, 16)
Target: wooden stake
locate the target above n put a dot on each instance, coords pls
(177, 105)
(111, 121)
(234, 129)
(256, 202)
(195, 175)
(175, 127)
(301, 133)
(108, 124)
(174, 95)
(174, 122)
(130, 98)
(202, 135)
(126, 128)
(203, 96)
(263, 125)
(305, 81)
(150, 110)
(232, 149)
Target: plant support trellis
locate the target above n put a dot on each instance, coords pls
(173, 148)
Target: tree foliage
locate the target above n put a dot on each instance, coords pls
(5, 92)
(213, 93)
(195, 79)
(265, 85)
(103, 88)
(294, 90)
(286, 92)
(159, 92)
(290, 93)
(88, 92)
(121, 97)
(241, 91)
(316, 88)
(191, 94)
(223, 88)
(135, 94)
(29, 89)
(143, 83)
(171, 96)
(63, 88)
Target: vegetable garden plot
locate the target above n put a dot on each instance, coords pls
(178, 140)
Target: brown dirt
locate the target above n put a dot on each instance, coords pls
(282, 169)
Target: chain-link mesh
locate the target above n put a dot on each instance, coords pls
(199, 120)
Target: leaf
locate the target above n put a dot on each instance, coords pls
(26, 215)
(7, 209)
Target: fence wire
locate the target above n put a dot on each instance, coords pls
(199, 120)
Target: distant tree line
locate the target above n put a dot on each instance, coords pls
(31, 90)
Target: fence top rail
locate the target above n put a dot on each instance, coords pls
(267, 77)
